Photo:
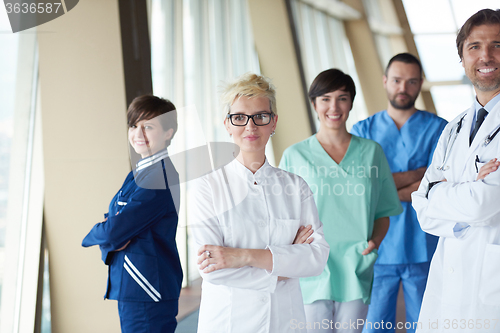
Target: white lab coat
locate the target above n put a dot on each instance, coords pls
(234, 207)
(463, 289)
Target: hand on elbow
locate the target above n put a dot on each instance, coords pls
(488, 168)
(304, 235)
(213, 257)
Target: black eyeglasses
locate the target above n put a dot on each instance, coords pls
(261, 119)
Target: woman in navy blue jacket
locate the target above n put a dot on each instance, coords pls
(137, 238)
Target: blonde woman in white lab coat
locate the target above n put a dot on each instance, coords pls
(256, 226)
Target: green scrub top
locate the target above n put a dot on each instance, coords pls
(350, 196)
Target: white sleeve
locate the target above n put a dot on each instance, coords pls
(303, 260)
(207, 230)
(474, 202)
(442, 227)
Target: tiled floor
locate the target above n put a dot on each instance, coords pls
(189, 324)
(400, 310)
(189, 303)
(189, 300)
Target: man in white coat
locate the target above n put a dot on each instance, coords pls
(459, 197)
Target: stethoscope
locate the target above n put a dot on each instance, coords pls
(491, 137)
(451, 142)
(452, 138)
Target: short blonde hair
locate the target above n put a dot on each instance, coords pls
(248, 85)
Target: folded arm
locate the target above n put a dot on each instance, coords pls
(303, 260)
(208, 234)
(407, 178)
(455, 204)
(472, 202)
(404, 193)
(257, 269)
(144, 208)
(213, 257)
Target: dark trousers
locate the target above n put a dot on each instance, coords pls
(148, 317)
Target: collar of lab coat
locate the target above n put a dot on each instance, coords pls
(488, 107)
(150, 160)
(257, 178)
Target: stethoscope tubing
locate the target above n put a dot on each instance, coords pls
(449, 146)
(451, 142)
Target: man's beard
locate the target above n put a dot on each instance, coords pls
(483, 84)
(402, 106)
(486, 86)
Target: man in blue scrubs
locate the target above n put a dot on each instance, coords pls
(408, 137)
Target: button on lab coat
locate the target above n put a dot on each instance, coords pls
(463, 289)
(234, 207)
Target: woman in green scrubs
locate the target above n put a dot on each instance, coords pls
(355, 194)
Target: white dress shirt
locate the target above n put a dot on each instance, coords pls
(235, 208)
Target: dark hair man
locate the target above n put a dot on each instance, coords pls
(408, 137)
(458, 197)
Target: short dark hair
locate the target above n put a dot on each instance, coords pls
(330, 80)
(484, 16)
(407, 58)
(147, 107)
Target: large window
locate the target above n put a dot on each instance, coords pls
(196, 46)
(385, 28)
(435, 32)
(323, 45)
(21, 180)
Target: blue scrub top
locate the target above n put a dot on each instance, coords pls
(408, 148)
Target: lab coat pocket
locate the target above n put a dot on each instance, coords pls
(284, 231)
(489, 288)
(140, 278)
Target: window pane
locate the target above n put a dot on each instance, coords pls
(430, 16)
(450, 101)
(323, 45)
(193, 54)
(162, 22)
(46, 314)
(463, 9)
(439, 57)
(17, 92)
(8, 66)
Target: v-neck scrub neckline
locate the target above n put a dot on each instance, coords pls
(346, 152)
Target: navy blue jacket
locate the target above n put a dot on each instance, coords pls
(142, 212)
